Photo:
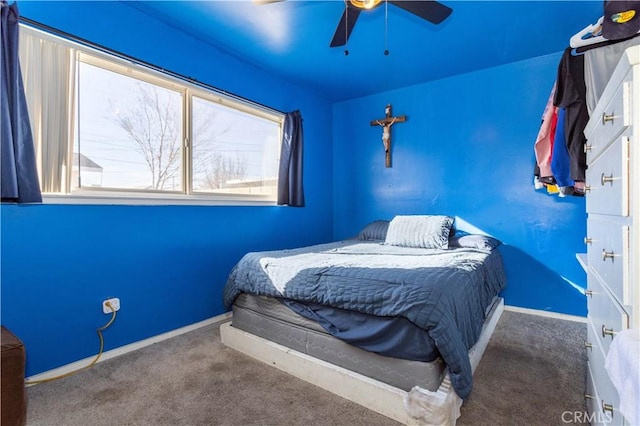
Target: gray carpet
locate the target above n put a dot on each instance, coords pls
(533, 371)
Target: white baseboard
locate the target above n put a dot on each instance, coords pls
(545, 313)
(126, 348)
(173, 333)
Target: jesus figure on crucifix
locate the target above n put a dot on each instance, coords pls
(386, 124)
(386, 133)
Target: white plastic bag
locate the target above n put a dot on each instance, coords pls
(440, 408)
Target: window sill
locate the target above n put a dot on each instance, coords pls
(152, 200)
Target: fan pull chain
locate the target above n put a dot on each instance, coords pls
(386, 28)
(346, 28)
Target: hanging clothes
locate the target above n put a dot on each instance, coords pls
(571, 95)
(560, 161)
(544, 141)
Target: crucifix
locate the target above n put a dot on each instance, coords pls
(386, 124)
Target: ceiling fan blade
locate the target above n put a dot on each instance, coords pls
(345, 26)
(432, 11)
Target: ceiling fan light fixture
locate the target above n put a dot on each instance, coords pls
(365, 4)
(429, 10)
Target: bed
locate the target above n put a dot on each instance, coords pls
(401, 306)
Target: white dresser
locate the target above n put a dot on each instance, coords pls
(612, 260)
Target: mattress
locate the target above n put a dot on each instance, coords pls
(443, 292)
(269, 318)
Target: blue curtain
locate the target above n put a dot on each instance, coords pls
(290, 188)
(19, 176)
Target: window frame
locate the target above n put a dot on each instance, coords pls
(111, 61)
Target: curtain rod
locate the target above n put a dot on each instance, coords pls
(103, 49)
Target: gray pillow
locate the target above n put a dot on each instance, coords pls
(424, 231)
(376, 230)
(477, 241)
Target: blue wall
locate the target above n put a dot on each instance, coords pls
(466, 150)
(167, 264)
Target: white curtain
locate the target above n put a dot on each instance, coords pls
(49, 79)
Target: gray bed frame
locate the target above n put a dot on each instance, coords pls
(411, 392)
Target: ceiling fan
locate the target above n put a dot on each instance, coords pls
(430, 10)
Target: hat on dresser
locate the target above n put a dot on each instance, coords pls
(621, 19)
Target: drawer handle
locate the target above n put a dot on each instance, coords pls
(588, 345)
(607, 407)
(604, 179)
(588, 292)
(587, 396)
(587, 188)
(587, 240)
(607, 255)
(587, 148)
(606, 118)
(607, 332)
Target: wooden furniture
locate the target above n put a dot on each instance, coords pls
(14, 403)
(613, 229)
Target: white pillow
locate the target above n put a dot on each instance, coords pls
(424, 231)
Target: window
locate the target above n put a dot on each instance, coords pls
(107, 128)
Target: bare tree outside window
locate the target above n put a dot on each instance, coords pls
(130, 136)
(222, 170)
(154, 126)
(221, 157)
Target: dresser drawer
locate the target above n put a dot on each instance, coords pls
(608, 123)
(594, 404)
(607, 316)
(607, 179)
(609, 401)
(608, 253)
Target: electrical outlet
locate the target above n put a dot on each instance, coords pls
(115, 305)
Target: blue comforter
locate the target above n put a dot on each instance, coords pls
(444, 292)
